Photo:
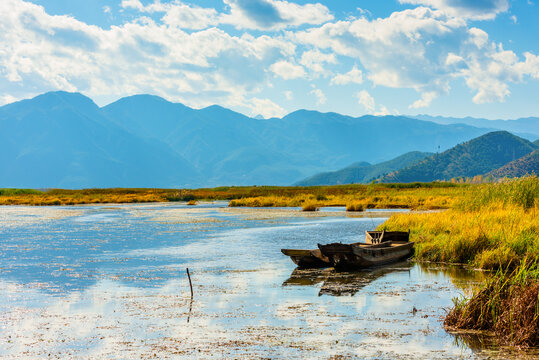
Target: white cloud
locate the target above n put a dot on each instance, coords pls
(478, 37)
(7, 99)
(287, 70)
(242, 14)
(366, 100)
(425, 50)
(132, 4)
(266, 108)
(288, 95)
(383, 111)
(315, 60)
(320, 96)
(188, 17)
(180, 53)
(426, 99)
(273, 14)
(43, 52)
(471, 9)
(354, 76)
(107, 9)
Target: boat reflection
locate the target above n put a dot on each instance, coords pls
(341, 283)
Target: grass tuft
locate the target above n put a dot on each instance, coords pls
(507, 304)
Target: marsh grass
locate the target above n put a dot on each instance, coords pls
(356, 206)
(507, 304)
(494, 226)
(416, 196)
(310, 207)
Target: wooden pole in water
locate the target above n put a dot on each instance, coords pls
(190, 283)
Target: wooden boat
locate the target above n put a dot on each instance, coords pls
(307, 258)
(378, 250)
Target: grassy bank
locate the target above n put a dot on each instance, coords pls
(508, 305)
(360, 197)
(355, 197)
(493, 226)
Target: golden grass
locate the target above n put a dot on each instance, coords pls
(416, 196)
(494, 226)
(310, 207)
(507, 304)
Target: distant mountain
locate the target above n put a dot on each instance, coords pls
(232, 149)
(363, 172)
(475, 157)
(536, 142)
(524, 127)
(527, 164)
(63, 140)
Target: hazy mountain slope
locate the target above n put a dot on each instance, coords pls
(525, 127)
(475, 157)
(363, 172)
(527, 164)
(147, 141)
(232, 149)
(536, 142)
(63, 140)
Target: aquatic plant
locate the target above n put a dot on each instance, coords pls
(508, 304)
(355, 207)
(310, 207)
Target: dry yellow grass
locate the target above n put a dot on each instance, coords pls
(495, 226)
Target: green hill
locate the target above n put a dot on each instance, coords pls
(536, 142)
(363, 172)
(475, 157)
(525, 165)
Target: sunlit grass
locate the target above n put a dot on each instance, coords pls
(494, 226)
(507, 304)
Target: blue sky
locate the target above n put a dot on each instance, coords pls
(270, 57)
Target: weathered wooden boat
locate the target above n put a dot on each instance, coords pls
(378, 250)
(307, 258)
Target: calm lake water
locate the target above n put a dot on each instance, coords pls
(110, 282)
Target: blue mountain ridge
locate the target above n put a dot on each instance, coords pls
(62, 139)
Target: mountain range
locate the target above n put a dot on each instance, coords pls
(363, 172)
(527, 128)
(65, 140)
(478, 156)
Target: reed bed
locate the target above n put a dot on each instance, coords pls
(494, 226)
(415, 195)
(507, 304)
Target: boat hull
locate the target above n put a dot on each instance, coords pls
(307, 258)
(351, 256)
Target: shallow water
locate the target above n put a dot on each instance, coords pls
(110, 282)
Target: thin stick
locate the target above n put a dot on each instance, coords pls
(190, 283)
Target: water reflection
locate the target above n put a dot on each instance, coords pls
(341, 283)
(110, 282)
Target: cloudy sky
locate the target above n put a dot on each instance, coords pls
(270, 57)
